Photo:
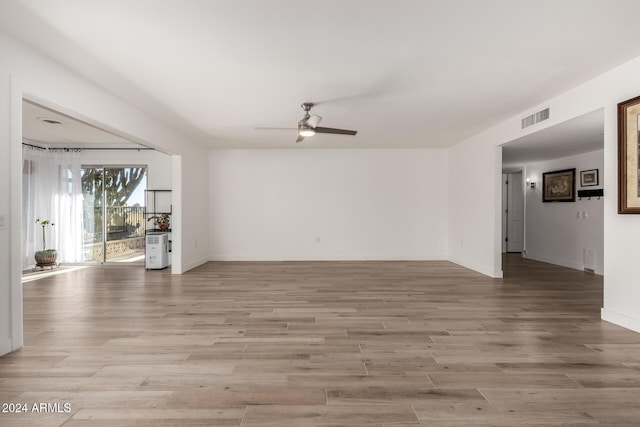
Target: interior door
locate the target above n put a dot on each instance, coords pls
(505, 200)
(515, 213)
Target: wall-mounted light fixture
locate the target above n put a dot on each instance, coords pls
(531, 183)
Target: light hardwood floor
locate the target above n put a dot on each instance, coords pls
(322, 343)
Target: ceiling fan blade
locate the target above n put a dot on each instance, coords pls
(314, 120)
(335, 131)
(300, 138)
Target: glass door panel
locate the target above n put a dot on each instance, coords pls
(92, 207)
(113, 203)
(124, 199)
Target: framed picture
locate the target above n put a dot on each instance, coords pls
(589, 178)
(628, 177)
(559, 186)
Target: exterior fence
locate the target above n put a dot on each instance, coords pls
(122, 223)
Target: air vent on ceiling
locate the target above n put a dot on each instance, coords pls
(535, 118)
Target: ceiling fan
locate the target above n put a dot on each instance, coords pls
(308, 125)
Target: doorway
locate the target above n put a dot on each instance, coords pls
(113, 206)
(565, 234)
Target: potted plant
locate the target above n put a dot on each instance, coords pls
(162, 221)
(45, 257)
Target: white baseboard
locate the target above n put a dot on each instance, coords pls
(561, 262)
(496, 274)
(271, 257)
(620, 319)
(426, 257)
(195, 264)
(5, 346)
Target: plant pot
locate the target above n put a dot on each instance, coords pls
(46, 258)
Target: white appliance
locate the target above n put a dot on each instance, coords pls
(157, 251)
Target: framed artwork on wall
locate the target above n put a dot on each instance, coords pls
(628, 164)
(589, 178)
(559, 186)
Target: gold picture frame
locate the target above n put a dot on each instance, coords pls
(628, 162)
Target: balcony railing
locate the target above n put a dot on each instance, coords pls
(122, 223)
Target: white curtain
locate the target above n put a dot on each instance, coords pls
(52, 189)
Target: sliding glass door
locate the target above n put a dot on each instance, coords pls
(113, 210)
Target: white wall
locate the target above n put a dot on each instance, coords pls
(558, 233)
(475, 158)
(475, 201)
(191, 208)
(24, 73)
(328, 204)
(6, 210)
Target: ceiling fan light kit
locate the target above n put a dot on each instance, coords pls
(306, 131)
(308, 126)
(304, 128)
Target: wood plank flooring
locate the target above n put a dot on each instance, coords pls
(321, 344)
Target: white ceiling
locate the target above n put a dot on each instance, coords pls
(409, 73)
(579, 135)
(49, 128)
